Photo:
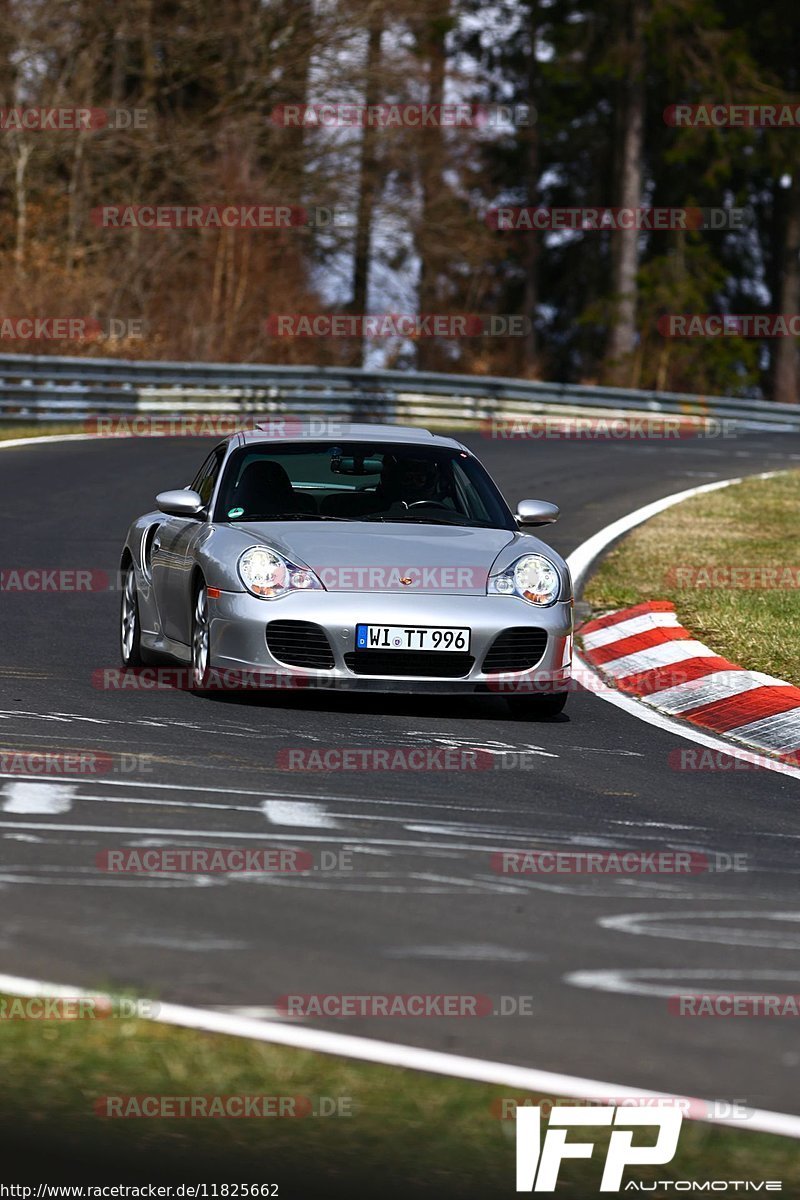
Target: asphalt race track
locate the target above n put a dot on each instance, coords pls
(421, 910)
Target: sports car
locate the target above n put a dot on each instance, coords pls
(377, 558)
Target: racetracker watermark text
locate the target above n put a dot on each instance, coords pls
(603, 428)
(74, 1008)
(247, 217)
(613, 862)
(225, 1107)
(54, 763)
(389, 1004)
(396, 325)
(779, 576)
(598, 220)
(402, 116)
(71, 120)
(211, 860)
(734, 1004)
(214, 425)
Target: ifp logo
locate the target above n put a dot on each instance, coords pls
(538, 1165)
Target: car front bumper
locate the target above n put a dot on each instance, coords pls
(239, 643)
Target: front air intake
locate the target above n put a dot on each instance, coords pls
(300, 644)
(516, 649)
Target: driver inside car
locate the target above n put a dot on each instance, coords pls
(408, 481)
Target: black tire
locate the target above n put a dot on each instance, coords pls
(130, 629)
(537, 708)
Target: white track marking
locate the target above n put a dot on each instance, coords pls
(230, 791)
(464, 952)
(163, 722)
(609, 750)
(663, 825)
(157, 802)
(629, 627)
(187, 942)
(54, 876)
(358, 843)
(6, 444)
(435, 1062)
(634, 981)
(581, 560)
(600, 887)
(62, 718)
(717, 685)
(487, 747)
(258, 1012)
(302, 815)
(680, 729)
(418, 883)
(672, 925)
(265, 836)
(257, 809)
(43, 797)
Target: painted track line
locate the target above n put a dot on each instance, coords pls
(412, 1058)
(582, 559)
(8, 443)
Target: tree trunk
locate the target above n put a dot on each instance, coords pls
(531, 246)
(368, 181)
(428, 240)
(625, 259)
(786, 370)
(22, 154)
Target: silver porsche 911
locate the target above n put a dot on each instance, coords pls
(380, 559)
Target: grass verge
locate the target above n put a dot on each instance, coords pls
(10, 431)
(407, 1133)
(730, 563)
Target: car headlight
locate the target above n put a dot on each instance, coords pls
(533, 578)
(269, 575)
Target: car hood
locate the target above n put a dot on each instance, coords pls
(366, 556)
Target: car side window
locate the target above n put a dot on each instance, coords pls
(206, 477)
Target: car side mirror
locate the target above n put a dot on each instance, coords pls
(179, 502)
(536, 512)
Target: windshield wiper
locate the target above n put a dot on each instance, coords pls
(289, 517)
(413, 520)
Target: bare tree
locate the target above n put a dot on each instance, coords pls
(625, 259)
(786, 388)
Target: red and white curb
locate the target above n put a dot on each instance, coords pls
(581, 563)
(645, 652)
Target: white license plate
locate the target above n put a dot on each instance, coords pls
(412, 637)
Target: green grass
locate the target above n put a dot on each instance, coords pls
(410, 1134)
(752, 524)
(10, 430)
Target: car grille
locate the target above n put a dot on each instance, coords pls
(515, 650)
(440, 665)
(300, 644)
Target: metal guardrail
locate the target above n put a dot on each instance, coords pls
(46, 388)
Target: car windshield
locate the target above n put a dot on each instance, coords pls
(359, 481)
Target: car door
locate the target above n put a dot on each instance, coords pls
(173, 555)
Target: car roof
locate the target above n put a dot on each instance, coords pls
(292, 429)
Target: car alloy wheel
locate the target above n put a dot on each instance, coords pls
(200, 639)
(130, 644)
